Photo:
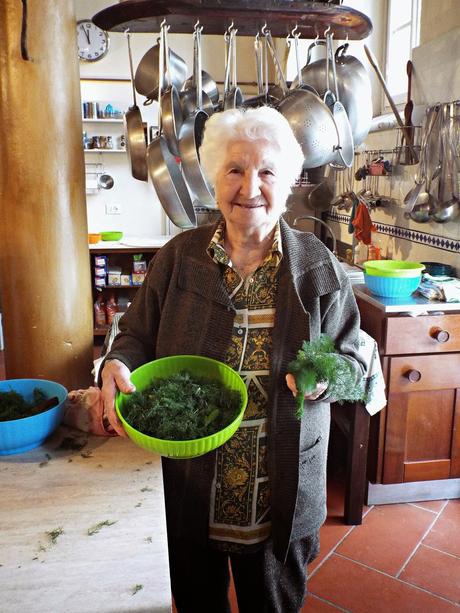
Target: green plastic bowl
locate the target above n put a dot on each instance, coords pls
(200, 366)
(393, 268)
(111, 236)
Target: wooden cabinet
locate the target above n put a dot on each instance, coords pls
(417, 437)
(121, 257)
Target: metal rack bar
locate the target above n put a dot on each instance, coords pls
(311, 18)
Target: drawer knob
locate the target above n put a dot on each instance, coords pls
(414, 375)
(442, 336)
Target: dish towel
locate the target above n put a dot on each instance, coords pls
(363, 224)
(374, 383)
(446, 289)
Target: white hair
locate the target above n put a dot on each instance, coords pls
(262, 123)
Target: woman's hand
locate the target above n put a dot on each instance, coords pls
(316, 393)
(115, 375)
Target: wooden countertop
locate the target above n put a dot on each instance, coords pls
(67, 493)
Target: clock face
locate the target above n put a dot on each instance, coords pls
(92, 42)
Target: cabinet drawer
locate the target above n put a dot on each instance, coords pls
(423, 334)
(424, 372)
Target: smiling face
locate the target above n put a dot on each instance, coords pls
(250, 188)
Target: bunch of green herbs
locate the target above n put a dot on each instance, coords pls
(182, 407)
(317, 362)
(14, 406)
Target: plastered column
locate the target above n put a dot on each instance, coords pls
(45, 279)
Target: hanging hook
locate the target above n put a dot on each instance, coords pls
(294, 30)
(264, 29)
(316, 39)
(195, 27)
(326, 31)
(163, 23)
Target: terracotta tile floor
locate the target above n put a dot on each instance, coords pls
(404, 558)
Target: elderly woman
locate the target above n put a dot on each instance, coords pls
(246, 291)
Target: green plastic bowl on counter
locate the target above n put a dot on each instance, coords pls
(111, 236)
(199, 366)
(393, 268)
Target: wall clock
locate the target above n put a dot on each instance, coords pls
(92, 42)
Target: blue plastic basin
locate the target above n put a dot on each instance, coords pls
(19, 435)
(392, 287)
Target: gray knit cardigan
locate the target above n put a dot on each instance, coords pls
(183, 308)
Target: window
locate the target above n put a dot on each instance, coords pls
(403, 30)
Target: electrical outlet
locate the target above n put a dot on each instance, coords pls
(113, 209)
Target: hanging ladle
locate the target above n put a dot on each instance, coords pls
(413, 194)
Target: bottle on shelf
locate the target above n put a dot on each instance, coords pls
(100, 316)
(111, 308)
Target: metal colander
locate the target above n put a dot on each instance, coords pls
(313, 126)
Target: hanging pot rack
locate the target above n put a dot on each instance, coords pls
(249, 16)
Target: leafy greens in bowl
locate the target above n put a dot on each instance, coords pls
(184, 406)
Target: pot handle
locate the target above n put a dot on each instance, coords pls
(161, 68)
(197, 78)
(340, 51)
(227, 60)
(259, 65)
(131, 69)
(276, 62)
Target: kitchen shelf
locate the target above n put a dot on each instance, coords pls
(101, 287)
(88, 120)
(249, 16)
(104, 150)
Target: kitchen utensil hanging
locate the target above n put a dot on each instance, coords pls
(190, 96)
(300, 83)
(164, 170)
(345, 151)
(309, 117)
(233, 96)
(411, 197)
(146, 79)
(378, 72)
(262, 97)
(191, 135)
(448, 208)
(171, 111)
(134, 130)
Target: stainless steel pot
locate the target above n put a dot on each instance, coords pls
(354, 87)
(136, 146)
(209, 86)
(146, 79)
